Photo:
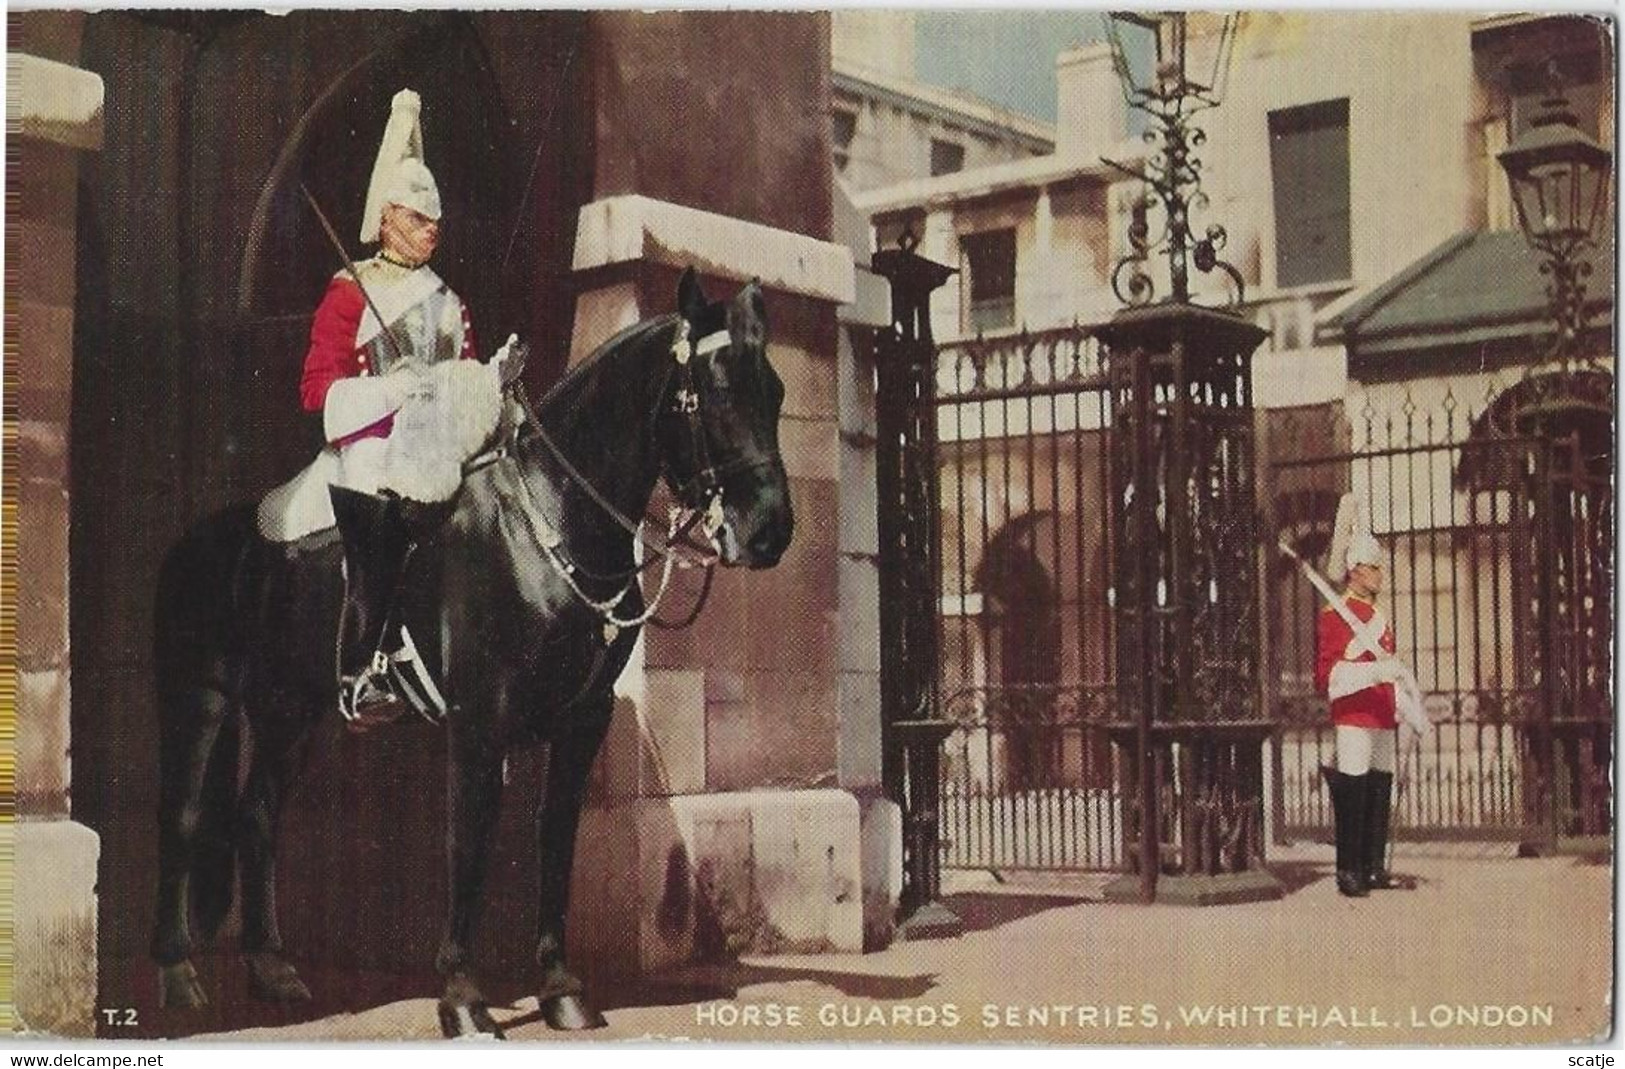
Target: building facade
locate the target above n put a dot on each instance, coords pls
(887, 126)
(1353, 168)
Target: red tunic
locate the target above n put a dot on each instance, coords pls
(334, 354)
(1372, 707)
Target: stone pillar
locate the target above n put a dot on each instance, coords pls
(57, 112)
(718, 789)
(859, 747)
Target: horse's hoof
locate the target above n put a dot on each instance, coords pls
(571, 1013)
(460, 1021)
(272, 979)
(178, 988)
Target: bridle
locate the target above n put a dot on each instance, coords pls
(705, 485)
(699, 497)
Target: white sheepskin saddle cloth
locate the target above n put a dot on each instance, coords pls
(451, 412)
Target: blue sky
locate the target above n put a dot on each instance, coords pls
(1007, 57)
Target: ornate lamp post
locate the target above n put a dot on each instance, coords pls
(1564, 407)
(1155, 56)
(1559, 179)
(1184, 521)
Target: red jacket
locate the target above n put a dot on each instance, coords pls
(334, 354)
(1372, 707)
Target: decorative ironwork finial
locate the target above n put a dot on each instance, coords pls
(1171, 97)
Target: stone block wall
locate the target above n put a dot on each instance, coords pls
(56, 112)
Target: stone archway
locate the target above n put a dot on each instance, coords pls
(199, 264)
(1022, 633)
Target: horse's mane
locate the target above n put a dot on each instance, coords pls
(586, 371)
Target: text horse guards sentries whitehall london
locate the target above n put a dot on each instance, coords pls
(531, 590)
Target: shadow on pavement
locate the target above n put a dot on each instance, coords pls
(1296, 875)
(982, 911)
(231, 1008)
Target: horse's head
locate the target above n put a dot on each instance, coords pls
(721, 427)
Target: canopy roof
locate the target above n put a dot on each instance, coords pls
(1478, 286)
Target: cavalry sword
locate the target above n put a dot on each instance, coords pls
(349, 265)
(1362, 633)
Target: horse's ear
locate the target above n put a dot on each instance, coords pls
(747, 315)
(691, 300)
(751, 297)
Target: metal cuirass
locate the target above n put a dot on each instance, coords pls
(425, 319)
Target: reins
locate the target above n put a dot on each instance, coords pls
(684, 518)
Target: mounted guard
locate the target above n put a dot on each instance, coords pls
(391, 367)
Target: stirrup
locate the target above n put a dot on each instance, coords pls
(413, 682)
(363, 697)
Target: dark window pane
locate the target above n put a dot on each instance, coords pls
(1309, 162)
(844, 125)
(946, 157)
(990, 261)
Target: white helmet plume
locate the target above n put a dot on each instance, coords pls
(399, 175)
(1352, 541)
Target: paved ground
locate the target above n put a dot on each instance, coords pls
(1486, 950)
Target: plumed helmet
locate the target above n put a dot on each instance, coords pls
(1363, 549)
(399, 175)
(1352, 542)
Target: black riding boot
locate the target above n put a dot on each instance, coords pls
(377, 543)
(1379, 810)
(1349, 815)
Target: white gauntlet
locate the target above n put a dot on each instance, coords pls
(357, 403)
(507, 348)
(1351, 677)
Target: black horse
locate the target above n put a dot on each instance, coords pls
(530, 592)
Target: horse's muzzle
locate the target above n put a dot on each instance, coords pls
(770, 541)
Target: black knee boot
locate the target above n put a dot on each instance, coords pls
(1379, 810)
(377, 544)
(1349, 815)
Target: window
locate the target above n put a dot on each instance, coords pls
(990, 263)
(1309, 163)
(946, 157)
(843, 127)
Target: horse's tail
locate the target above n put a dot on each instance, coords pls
(197, 648)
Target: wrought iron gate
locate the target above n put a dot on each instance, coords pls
(1003, 599)
(1026, 657)
(1499, 536)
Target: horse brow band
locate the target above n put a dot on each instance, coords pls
(711, 342)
